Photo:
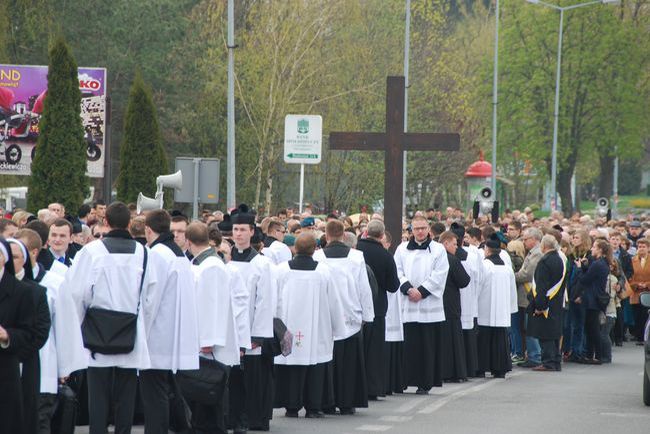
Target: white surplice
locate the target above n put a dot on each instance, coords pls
(469, 295)
(223, 303)
(350, 280)
(171, 324)
(497, 298)
(63, 352)
(277, 252)
(112, 281)
(394, 325)
(427, 268)
(259, 279)
(311, 310)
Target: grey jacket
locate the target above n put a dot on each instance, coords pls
(526, 274)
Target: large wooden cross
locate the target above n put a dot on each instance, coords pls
(394, 142)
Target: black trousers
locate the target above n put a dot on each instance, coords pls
(31, 383)
(640, 318)
(375, 351)
(207, 419)
(592, 332)
(46, 409)
(155, 389)
(551, 357)
(108, 386)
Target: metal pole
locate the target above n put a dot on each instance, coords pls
(230, 183)
(302, 186)
(495, 102)
(195, 197)
(108, 182)
(615, 187)
(407, 44)
(556, 117)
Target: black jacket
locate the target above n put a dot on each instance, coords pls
(46, 258)
(383, 266)
(547, 274)
(457, 278)
(17, 317)
(625, 260)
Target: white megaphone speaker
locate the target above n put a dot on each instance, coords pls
(602, 208)
(175, 180)
(145, 203)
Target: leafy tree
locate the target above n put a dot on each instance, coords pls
(59, 166)
(142, 156)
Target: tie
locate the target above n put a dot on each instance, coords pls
(61, 259)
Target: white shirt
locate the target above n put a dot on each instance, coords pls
(469, 296)
(497, 298)
(277, 252)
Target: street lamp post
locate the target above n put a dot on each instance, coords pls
(556, 110)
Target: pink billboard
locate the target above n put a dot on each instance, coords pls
(22, 91)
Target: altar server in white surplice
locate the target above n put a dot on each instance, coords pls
(171, 325)
(311, 310)
(224, 330)
(352, 286)
(497, 299)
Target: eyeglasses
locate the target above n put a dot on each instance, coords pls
(100, 234)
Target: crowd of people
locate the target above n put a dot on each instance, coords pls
(302, 311)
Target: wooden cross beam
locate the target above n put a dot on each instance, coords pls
(394, 142)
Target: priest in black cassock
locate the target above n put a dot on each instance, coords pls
(454, 366)
(383, 267)
(422, 268)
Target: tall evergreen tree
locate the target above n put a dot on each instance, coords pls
(142, 156)
(59, 166)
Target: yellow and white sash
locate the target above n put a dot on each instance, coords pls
(553, 291)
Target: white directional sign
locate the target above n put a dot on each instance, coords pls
(303, 139)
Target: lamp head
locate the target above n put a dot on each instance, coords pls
(533, 1)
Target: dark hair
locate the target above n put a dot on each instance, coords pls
(84, 210)
(474, 233)
(214, 234)
(59, 223)
(516, 224)
(158, 221)
(118, 215)
(197, 233)
(40, 228)
(98, 202)
(179, 218)
(438, 228)
(4, 223)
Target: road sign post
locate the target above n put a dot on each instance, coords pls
(303, 141)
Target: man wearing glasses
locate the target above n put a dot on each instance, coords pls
(274, 247)
(100, 231)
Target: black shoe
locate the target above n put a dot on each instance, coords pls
(240, 430)
(291, 413)
(372, 398)
(348, 411)
(312, 414)
(331, 411)
(528, 364)
(422, 391)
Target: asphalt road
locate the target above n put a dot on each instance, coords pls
(580, 399)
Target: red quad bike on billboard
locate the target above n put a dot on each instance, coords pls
(21, 124)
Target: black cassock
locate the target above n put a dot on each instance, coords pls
(454, 367)
(376, 349)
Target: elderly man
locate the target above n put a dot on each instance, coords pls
(531, 239)
(546, 307)
(383, 266)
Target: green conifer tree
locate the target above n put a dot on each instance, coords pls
(142, 156)
(59, 165)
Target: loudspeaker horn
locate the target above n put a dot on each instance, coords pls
(145, 203)
(602, 202)
(175, 180)
(486, 193)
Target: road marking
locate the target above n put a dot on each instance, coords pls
(411, 404)
(466, 391)
(640, 415)
(395, 418)
(374, 428)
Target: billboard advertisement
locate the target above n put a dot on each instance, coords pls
(22, 92)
